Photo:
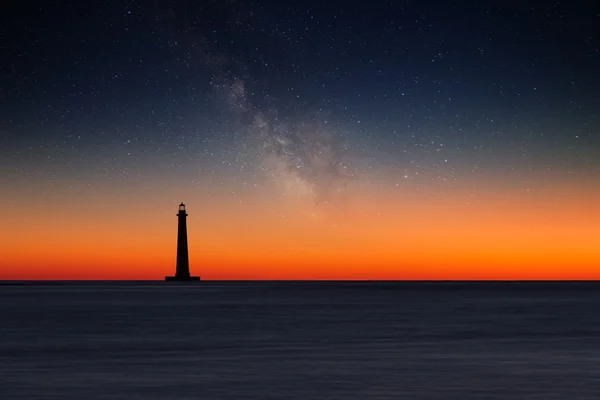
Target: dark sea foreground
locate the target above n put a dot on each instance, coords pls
(299, 340)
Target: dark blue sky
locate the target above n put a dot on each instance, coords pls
(410, 84)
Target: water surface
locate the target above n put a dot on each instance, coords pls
(299, 340)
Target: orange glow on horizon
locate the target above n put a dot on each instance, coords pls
(376, 234)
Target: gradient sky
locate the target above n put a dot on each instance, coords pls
(308, 139)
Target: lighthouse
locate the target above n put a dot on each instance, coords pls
(182, 269)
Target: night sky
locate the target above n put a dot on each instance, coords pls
(308, 139)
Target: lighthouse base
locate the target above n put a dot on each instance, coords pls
(182, 278)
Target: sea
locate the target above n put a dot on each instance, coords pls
(299, 340)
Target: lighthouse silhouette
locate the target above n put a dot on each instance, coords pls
(182, 270)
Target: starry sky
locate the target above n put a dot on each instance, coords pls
(308, 139)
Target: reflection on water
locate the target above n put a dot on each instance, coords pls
(147, 340)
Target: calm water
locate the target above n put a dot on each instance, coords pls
(299, 341)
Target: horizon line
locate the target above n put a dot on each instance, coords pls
(2, 281)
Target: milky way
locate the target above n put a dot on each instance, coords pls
(303, 154)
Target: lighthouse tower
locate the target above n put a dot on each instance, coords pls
(182, 270)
